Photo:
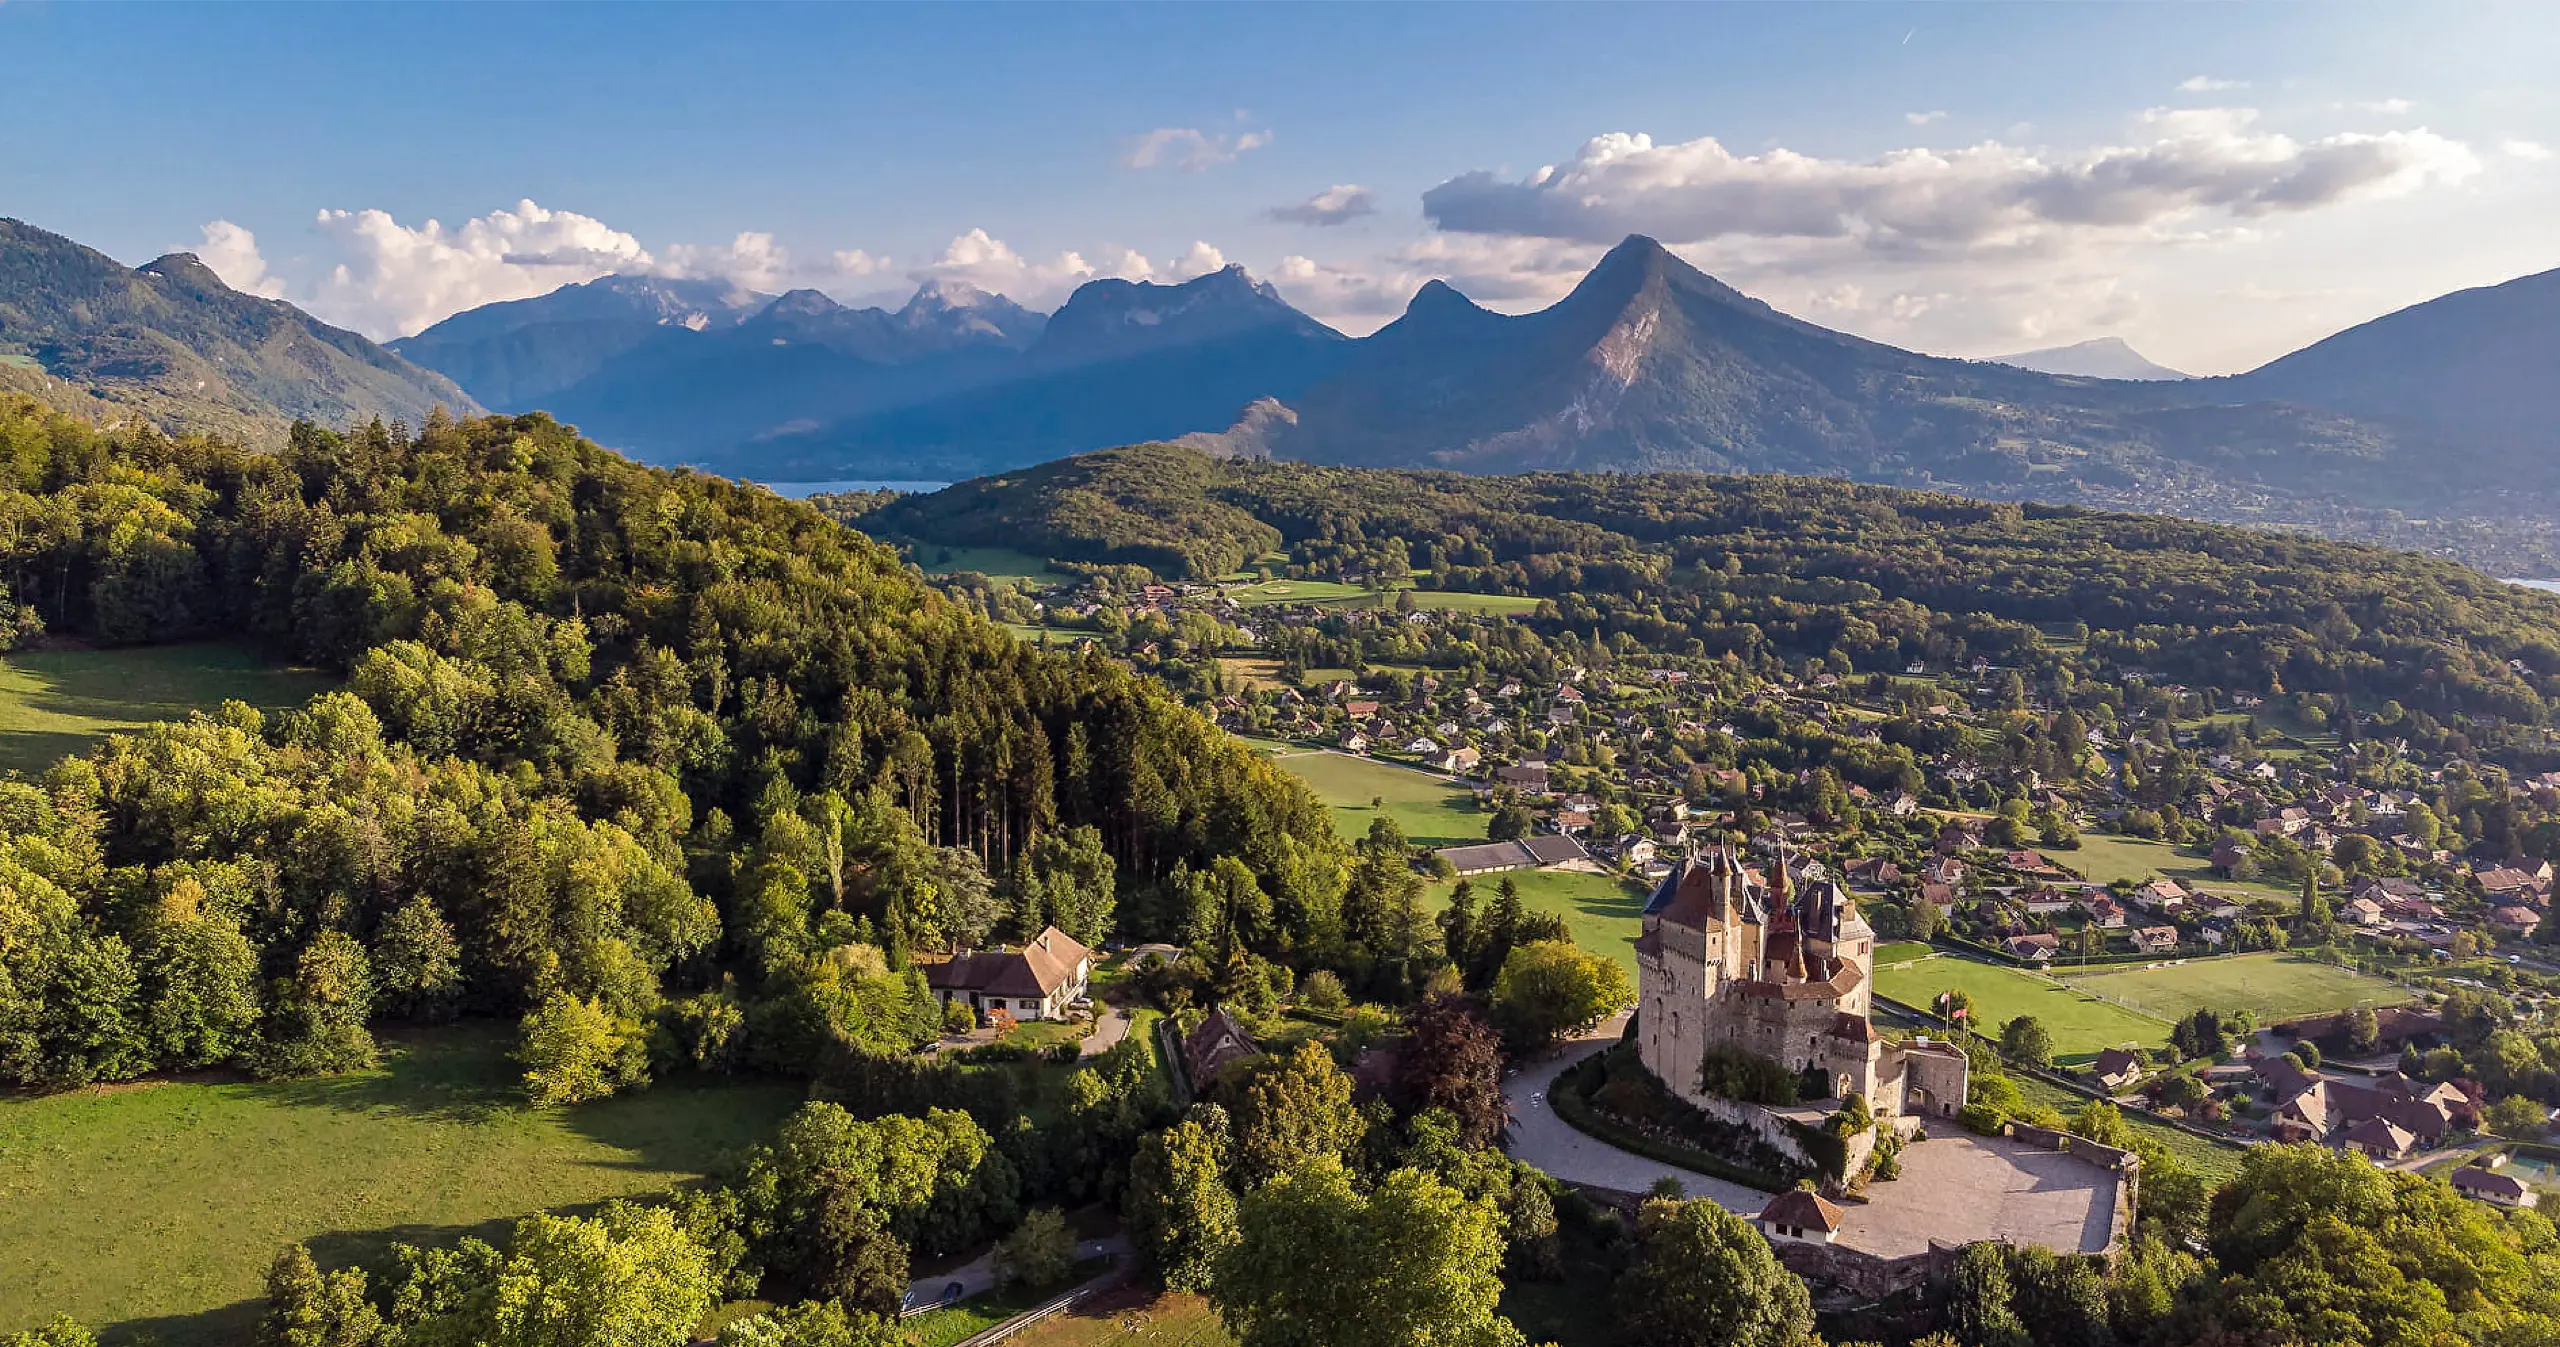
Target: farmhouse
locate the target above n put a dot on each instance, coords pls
(2502, 1190)
(1528, 853)
(1036, 982)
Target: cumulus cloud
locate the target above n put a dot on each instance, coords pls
(1986, 197)
(1924, 118)
(1200, 260)
(1189, 148)
(2531, 151)
(1510, 274)
(2207, 84)
(387, 279)
(1339, 204)
(396, 279)
(232, 252)
(991, 264)
(2388, 107)
(752, 261)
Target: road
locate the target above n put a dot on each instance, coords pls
(1540, 1138)
(978, 1275)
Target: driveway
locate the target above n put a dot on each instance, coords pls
(1540, 1138)
(978, 1275)
(1108, 1030)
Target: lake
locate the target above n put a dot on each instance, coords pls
(799, 490)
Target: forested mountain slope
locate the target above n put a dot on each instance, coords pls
(169, 342)
(624, 743)
(1807, 566)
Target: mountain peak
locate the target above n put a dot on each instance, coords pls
(185, 268)
(802, 303)
(2096, 358)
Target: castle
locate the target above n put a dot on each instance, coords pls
(1724, 961)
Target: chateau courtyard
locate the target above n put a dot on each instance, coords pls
(1955, 1187)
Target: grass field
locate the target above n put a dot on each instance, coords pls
(1902, 951)
(1296, 591)
(995, 563)
(2080, 1025)
(1433, 811)
(1605, 913)
(54, 702)
(1442, 600)
(2107, 857)
(1128, 1318)
(2216, 1161)
(154, 1210)
(2276, 986)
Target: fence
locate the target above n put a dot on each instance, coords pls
(1044, 1313)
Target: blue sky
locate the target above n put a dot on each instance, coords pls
(2218, 184)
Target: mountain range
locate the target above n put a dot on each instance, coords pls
(1648, 363)
(2450, 407)
(170, 343)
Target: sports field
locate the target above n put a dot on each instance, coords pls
(1604, 913)
(1296, 591)
(2276, 986)
(56, 702)
(1433, 810)
(154, 1209)
(2081, 1025)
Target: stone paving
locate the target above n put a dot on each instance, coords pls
(1962, 1188)
(1954, 1189)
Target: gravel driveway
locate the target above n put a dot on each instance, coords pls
(1541, 1138)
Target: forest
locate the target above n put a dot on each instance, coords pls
(1867, 577)
(663, 764)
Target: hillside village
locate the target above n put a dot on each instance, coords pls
(2134, 823)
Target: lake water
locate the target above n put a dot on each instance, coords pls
(798, 490)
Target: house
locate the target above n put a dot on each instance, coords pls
(1527, 776)
(2496, 1189)
(1036, 982)
(2377, 1139)
(2228, 856)
(2155, 939)
(1637, 851)
(2161, 895)
(1360, 710)
(2515, 921)
(2115, 1069)
(1800, 1216)
(1216, 1041)
(1458, 761)
(2037, 948)
(1353, 741)
(2044, 902)
(1871, 872)
(2505, 882)
(2105, 914)
(2363, 912)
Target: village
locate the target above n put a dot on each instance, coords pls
(2136, 857)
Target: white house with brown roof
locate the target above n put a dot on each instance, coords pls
(1802, 1217)
(1036, 982)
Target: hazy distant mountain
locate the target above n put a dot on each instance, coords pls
(1648, 363)
(170, 342)
(2097, 358)
(516, 353)
(1122, 361)
(2486, 361)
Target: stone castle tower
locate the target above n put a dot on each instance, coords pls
(1726, 961)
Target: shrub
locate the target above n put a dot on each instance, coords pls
(1736, 1073)
(1982, 1119)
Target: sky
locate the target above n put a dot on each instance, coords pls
(2217, 184)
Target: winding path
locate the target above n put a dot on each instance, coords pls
(1540, 1138)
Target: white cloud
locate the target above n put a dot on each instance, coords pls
(2207, 84)
(386, 279)
(232, 252)
(751, 261)
(1924, 118)
(1985, 198)
(1189, 148)
(2388, 107)
(990, 264)
(1201, 260)
(395, 279)
(1510, 274)
(2530, 151)
(1339, 204)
